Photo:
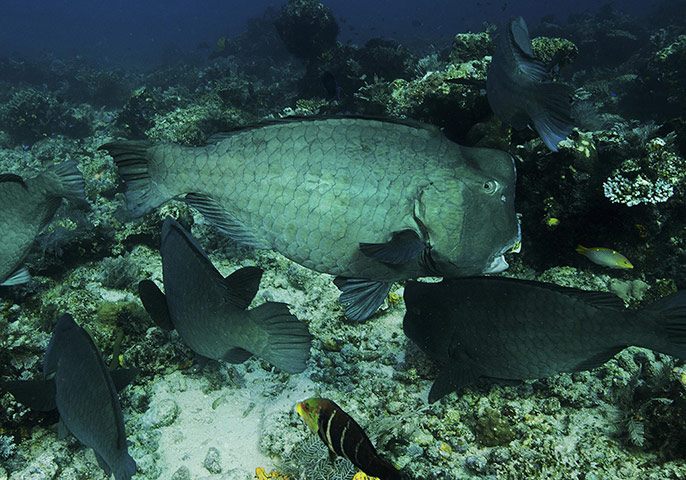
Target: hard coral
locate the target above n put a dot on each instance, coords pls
(31, 114)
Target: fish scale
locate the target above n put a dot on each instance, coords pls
(316, 189)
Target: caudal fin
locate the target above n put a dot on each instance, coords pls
(670, 321)
(133, 161)
(552, 113)
(288, 340)
(69, 181)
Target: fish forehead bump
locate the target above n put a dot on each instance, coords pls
(491, 162)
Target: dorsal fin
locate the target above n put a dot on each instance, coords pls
(218, 137)
(241, 286)
(593, 298)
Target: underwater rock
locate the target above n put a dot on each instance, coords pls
(212, 462)
(161, 414)
(555, 52)
(470, 46)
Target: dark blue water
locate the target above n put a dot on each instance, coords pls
(127, 32)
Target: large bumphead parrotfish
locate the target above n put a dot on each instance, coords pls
(368, 201)
(511, 330)
(520, 90)
(26, 206)
(211, 313)
(86, 397)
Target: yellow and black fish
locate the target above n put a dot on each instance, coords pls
(345, 437)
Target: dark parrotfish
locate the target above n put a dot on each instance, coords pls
(520, 90)
(40, 394)
(210, 311)
(345, 437)
(510, 330)
(26, 207)
(368, 201)
(333, 90)
(86, 397)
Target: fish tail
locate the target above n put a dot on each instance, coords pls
(69, 181)
(670, 317)
(288, 340)
(134, 159)
(581, 249)
(552, 115)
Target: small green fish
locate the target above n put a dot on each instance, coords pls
(605, 257)
(345, 437)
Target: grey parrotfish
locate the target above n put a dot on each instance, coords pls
(210, 311)
(520, 90)
(26, 207)
(510, 330)
(86, 397)
(368, 201)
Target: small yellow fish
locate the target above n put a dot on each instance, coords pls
(605, 257)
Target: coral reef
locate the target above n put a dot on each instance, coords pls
(617, 181)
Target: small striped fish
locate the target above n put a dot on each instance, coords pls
(345, 437)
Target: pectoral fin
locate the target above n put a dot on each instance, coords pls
(155, 304)
(35, 394)
(404, 246)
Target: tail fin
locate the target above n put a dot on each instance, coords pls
(132, 158)
(552, 115)
(288, 340)
(670, 324)
(69, 181)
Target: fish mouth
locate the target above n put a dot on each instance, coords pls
(499, 264)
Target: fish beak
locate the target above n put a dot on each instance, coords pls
(497, 265)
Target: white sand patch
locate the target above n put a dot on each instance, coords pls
(233, 426)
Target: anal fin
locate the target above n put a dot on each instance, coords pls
(361, 298)
(221, 219)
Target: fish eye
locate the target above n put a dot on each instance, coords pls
(490, 187)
